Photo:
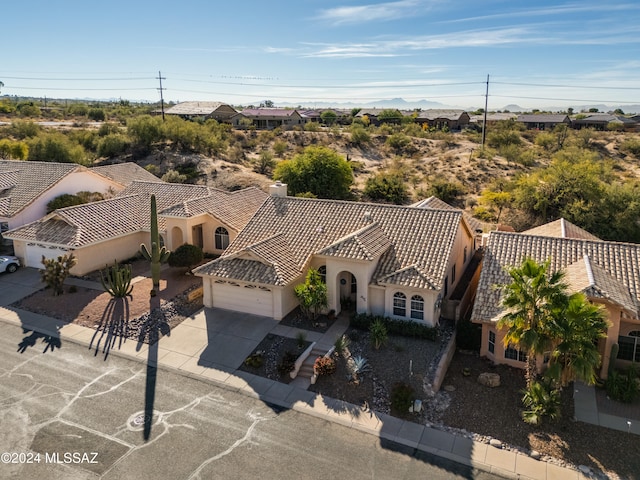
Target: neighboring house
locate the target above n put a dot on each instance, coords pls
(216, 110)
(605, 121)
(543, 121)
(439, 119)
(492, 118)
(27, 186)
(382, 259)
(267, 118)
(607, 272)
(126, 173)
(372, 115)
(112, 230)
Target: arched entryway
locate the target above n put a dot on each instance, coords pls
(177, 238)
(347, 290)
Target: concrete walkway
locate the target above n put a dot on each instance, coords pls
(212, 344)
(586, 410)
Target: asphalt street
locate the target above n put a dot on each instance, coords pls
(68, 414)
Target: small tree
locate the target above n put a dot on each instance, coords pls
(312, 294)
(186, 256)
(56, 270)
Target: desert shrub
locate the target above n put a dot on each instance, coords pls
(387, 187)
(173, 176)
(255, 360)
(64, 200)
(287, 363)
(96, 114)
(56, 147)
(445, 190)
(378, 333)
(405, 328)
(55, 271)
(144, 131)
(13, 150)
(402, 397)
(21, 129)
(324, 366)
(631, 146)
(28, 109)
(312, 127)
(359, 136)
(185, 256)
(265, 163)
(398, 142)
(623, 386)
(280, 147)
(108, 128)
(501, 138)
(112, 145)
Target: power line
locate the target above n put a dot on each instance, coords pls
(554, 85)
(113, 79)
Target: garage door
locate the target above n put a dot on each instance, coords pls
(242, 298)
(35, 251)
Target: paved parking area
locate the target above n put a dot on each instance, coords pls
(14, 286)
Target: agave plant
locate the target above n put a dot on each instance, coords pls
(358, 366)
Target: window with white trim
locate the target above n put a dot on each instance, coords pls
(222, 238)
(400, 304)
(417, 307)
(322, 271)
(629, 346)
(514, 354)
(492, 342)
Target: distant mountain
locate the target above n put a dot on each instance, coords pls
(398, 103)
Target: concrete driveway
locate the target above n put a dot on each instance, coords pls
(14, 286)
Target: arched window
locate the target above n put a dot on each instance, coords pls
(400, 304)
(323, 273)
(222, 238)
(417, 307)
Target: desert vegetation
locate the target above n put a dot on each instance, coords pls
(521, 177)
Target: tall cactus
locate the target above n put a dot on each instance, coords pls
(116, 280)
(157, 255)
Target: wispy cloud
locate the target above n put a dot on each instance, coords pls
(374, 12)
(408, 46)
(550, 11)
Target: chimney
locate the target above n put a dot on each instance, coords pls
(278, 189)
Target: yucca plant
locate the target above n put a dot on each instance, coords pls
(341, 344)
(116, 280)
(378, 332)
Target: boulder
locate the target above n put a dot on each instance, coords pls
(489, 379)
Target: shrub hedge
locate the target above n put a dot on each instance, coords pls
(405, 328)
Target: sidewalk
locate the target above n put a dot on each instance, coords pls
(187, 350)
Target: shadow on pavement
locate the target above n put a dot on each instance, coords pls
(155, 326)
(51, 341)
(113, 327)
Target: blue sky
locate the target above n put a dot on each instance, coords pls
(305, 52)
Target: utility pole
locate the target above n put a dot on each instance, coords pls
(484, 123)
(160, 78)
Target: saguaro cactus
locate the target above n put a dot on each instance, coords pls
(157, 255)
(116, 280)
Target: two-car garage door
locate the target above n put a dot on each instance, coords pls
(245, 298)
(35, 251)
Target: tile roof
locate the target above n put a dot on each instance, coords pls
(434, 113)
(24, 181)
(196, 108)
(366, 244)
(561, 228)
(128, 212)
(233, 208)
(305, 227)
(82, 225)
(543, 118)
(594, 281)
(616, 267)
(435, 203)
(268, 112)
(125, 173)
(167, 194)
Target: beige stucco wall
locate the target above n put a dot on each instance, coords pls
(209, 226)
(98, 255)
(464, 238)
(82, 181)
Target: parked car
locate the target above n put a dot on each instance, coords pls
(9, 263)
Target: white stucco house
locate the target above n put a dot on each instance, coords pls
(100, 233)
(608, 273)
(398, 261)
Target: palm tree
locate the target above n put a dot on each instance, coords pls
(575, 329)
(530, 301)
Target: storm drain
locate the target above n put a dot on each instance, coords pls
(138, 420)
